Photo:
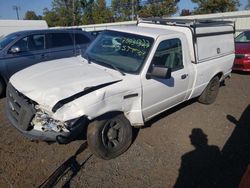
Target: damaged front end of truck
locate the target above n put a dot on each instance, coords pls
(38, 124)
(66, 119)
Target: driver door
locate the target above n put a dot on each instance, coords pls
(160, 94)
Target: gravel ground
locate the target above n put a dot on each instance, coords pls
(162, 155)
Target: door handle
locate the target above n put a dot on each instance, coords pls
(184, 76)
(43, 56)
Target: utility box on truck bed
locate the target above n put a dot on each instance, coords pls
(209, 39)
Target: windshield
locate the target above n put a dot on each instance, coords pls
(127, 52)
(243, 37)
(6, 40)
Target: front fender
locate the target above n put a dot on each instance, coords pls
(127, 102)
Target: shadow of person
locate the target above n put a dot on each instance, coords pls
(200, 166)
(236, 152)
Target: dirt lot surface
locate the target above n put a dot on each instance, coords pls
(171, 152)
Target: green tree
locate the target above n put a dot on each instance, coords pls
(101, 14)
(87, 7)
(159, 8)
(31, 15)
(68, 11)
(63, 13)
(123, 9)
(215, 6)
(51, 17)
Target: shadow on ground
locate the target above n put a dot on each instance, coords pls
(236, 152)
(200, 166)
(241, 72)
(168, 112)
(206, 166)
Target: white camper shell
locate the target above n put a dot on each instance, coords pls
(209, 39)
(127, 76)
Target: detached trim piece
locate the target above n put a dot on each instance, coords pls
(86, 91)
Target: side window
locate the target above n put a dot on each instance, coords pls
(36, 42)
(169, 54)
(31, 43)
(243, 37)
(60, 39)
(81, 39)
(22, 44)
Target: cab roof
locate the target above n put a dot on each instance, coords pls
(142, 30)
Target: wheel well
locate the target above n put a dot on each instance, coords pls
(220, 74)
(4, 89)
(108, 115)
(3, 79)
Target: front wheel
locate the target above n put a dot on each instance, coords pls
(109, 136)
(210, 93)
(2, 88)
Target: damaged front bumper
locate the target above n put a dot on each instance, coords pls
(21, 112)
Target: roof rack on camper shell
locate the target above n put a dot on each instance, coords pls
(200, 30)
(185, 22)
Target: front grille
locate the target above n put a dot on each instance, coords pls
(20, 108)
(239, 56)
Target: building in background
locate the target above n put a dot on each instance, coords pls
(241, 18)
(10, 26)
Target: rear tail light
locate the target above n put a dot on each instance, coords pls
(247, 56)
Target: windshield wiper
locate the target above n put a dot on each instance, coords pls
(107, 64)
(116, 68)
(88, 58)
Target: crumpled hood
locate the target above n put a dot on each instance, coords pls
(51, 81)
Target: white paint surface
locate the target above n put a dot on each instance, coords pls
(48, 82)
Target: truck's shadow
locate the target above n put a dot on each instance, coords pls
(236, 152)
(207, 167)
(71, 166)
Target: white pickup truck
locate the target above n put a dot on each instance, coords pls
(128, 75)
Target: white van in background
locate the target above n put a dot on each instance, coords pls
(10, 26)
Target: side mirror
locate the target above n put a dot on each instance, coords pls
(160, 72)
(15, 49)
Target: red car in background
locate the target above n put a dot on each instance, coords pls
(242, 52)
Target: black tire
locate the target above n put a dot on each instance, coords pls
(2, 88)
(210, 93)
(109, 136)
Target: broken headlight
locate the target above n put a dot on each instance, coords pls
(43, 122)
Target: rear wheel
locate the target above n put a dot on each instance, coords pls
(210, 93)
(109, 136)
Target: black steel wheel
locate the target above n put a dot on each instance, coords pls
(210, 93)
(109, 136)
